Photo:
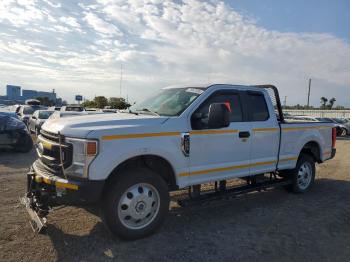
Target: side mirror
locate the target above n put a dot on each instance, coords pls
(219, 115)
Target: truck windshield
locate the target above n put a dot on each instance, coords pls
(168, 102)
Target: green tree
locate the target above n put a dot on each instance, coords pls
(45, 101)
(118, 103)
(100, 101)
(88, 103)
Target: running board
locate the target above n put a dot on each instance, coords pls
(233, 192)
(37, 223)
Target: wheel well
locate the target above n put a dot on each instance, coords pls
(313, 149)
(156, 163)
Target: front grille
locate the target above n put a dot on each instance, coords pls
(50, 155)
(51, 136)
(41, 168)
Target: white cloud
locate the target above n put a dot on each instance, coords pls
(164, 42)
(70, 21)
(101, 26)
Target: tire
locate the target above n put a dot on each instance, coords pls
(303, 176)
(343, 132)
(135, 204)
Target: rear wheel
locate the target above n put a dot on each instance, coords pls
(303, 175)
(135, 204)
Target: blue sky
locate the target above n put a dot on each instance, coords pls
(317, 16)
(77, 47)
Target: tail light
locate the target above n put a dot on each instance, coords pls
(334, 136)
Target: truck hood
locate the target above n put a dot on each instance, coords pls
(81, 126)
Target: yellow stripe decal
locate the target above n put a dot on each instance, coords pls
(304, 128)
(200, 172)
(269, 129)
(212, 132)
(113, 137)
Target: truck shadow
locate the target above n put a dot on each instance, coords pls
(247, 228)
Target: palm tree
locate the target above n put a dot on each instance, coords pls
(331, 102)
(323, 102)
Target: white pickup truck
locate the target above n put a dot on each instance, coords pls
(127, 163)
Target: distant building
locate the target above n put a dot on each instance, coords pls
(49, 95)
(13, 92)
(29, 94)
(13, 95)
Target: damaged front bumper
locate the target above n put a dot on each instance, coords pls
(45, 191)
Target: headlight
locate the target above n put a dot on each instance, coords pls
(84, 152)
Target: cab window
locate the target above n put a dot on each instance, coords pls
(258, 110)
(199, 119)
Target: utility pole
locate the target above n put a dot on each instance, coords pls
(121, 78)
(285, 101)
(308, 95)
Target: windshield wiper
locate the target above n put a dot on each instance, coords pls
(147, 111)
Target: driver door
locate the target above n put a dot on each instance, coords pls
(221, 153)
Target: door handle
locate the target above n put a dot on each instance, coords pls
(244, 134)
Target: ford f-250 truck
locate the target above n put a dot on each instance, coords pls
(127, 163)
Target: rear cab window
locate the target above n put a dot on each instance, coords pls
(256, 104)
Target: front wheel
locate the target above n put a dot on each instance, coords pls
(303, 175)
(135, 203)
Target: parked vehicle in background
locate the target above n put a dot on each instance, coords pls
(16, 108)
(92, 109)
(344, 124)
(54, 108)
(9, 113)
(63, 114)
(26, 111)
(76, 108)
(32, 102)
(60, 114)
(37, 120)
(14, 134)
(342, 129)
(183, 136)
(109, 110)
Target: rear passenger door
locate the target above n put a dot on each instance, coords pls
(264, 132)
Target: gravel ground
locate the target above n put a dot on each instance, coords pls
(269, 226)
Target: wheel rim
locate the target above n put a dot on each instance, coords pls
(304, 175)
(343, 132)
(138, 206)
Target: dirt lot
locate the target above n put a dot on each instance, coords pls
(269, 226)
